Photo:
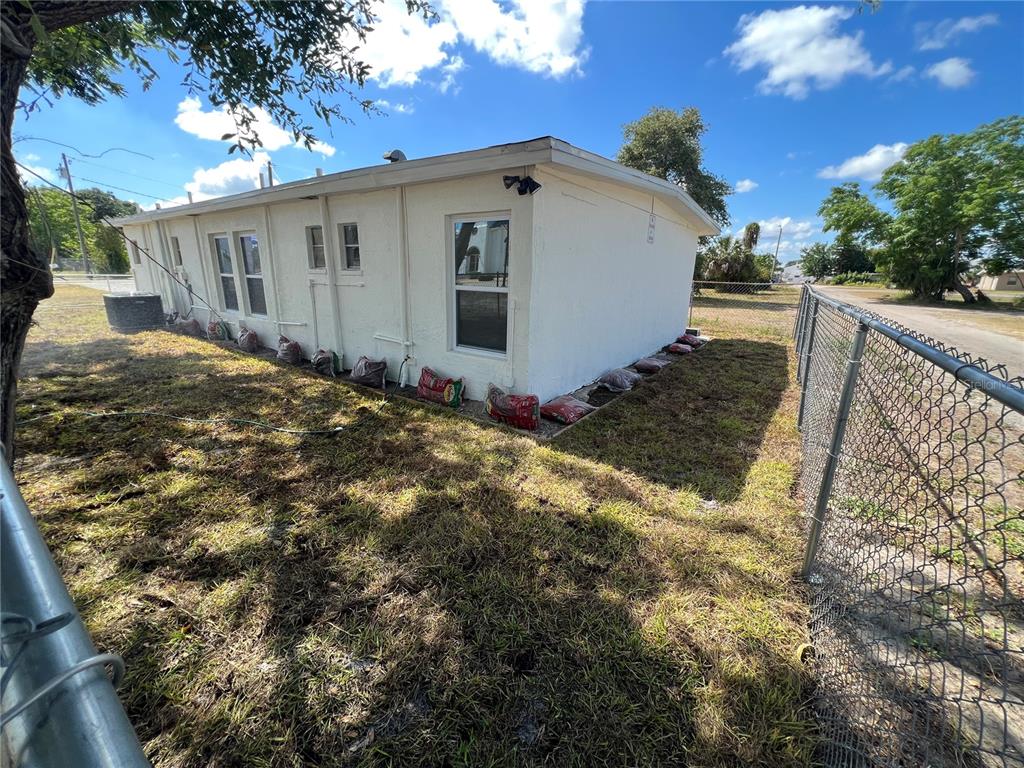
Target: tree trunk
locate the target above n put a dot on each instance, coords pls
(963, 290)
(957, 284)
(24, 274)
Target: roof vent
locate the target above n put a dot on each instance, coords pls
(395, 156)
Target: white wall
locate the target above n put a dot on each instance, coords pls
(602, 295)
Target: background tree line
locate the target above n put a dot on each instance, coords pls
(52, 228)
(953, 206)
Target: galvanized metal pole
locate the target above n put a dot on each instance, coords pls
(801, 326)
(835, 446)
(80, 722)
(805, 361)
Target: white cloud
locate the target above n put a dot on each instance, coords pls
(397, 107)
(801, 49)
(745, 185)
(868, 166)
(796, 234)
(936, 36)
(534, 35)
(901, 74)
(228, 178)
(952, 73)
(31, 162)
(215, 123)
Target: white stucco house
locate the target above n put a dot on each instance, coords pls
(1008, 281)
(436, 259)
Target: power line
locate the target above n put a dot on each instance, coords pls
(128, 173)
(125, 189)
(124, 237)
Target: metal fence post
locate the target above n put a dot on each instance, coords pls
(835, 446)
(799, 313)
(805, 360)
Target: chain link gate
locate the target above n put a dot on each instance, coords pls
(913, 477)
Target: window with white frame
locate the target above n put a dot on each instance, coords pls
(250, 249)
(315, 247)
(136, 257)
(480, 251)
(348, 234)
(222, 255)
(176, 251)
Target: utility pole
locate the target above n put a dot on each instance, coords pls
(775, 259)
(74, 208)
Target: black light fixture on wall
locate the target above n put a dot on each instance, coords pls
(524, 185)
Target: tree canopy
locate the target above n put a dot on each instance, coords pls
(732, 259)
(956, 201)
(667, 144)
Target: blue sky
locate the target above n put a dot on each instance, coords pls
(797, 98)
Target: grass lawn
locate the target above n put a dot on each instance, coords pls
(422, 589)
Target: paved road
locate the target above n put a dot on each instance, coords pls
(962, 328)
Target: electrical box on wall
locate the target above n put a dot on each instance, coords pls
(650, 229)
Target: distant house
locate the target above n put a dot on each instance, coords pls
(446, 260)
(1008, 281)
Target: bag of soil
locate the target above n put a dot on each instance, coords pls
(325, 362)
(521, 411)
(690, 340)
(650, 364)
(680, 349)
(620, 380)
(248, 340)
(369, 373)
(189, 327)
(566, 409)
(439, 389)
(289, 351)
(217, 330)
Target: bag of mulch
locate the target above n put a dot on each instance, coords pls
(690, 340)
(247, 340)
(325, 362)
(189, 327)
(217, 330)
(650, 364)
(289, 351)
(680, 349)
(440, 389)
(566, 409)
(521, 411)
(620, 380)
(369, 373)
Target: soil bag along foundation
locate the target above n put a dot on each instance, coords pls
(369, 373)
(680, 349)
(620, 380)
(440, 389)
(217, 330)
(289, 351)
(521, 411)
(325, 362)
(566, 409)
(189, 327)
(248, 340)
(650, 364)
(690, 340)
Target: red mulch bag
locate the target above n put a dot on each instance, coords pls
(650, 364)
(690, 340)
(369, 373)
(217, 330)
(248, 340)
(440, 389)
(680, 349)
(289, 351)
(566, 409)
(521, 411)
(620, 380)
(326, 362)
(189, 327)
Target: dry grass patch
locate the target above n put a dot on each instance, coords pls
(422, 589)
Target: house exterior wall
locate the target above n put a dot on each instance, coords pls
(1008, 281)
(603, 296)
(354, 312)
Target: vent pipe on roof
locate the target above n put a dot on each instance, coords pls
(319, 171)
(395, 156)
(270, 174)
(263, 182)
(190, 198)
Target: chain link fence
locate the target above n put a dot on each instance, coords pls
(744, 310)
(913, 477)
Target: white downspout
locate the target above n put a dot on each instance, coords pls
(332, 276)
(403, 253)
(210, 292)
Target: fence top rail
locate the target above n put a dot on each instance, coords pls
(1002, 391)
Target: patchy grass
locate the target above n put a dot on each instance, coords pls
(422, 589)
